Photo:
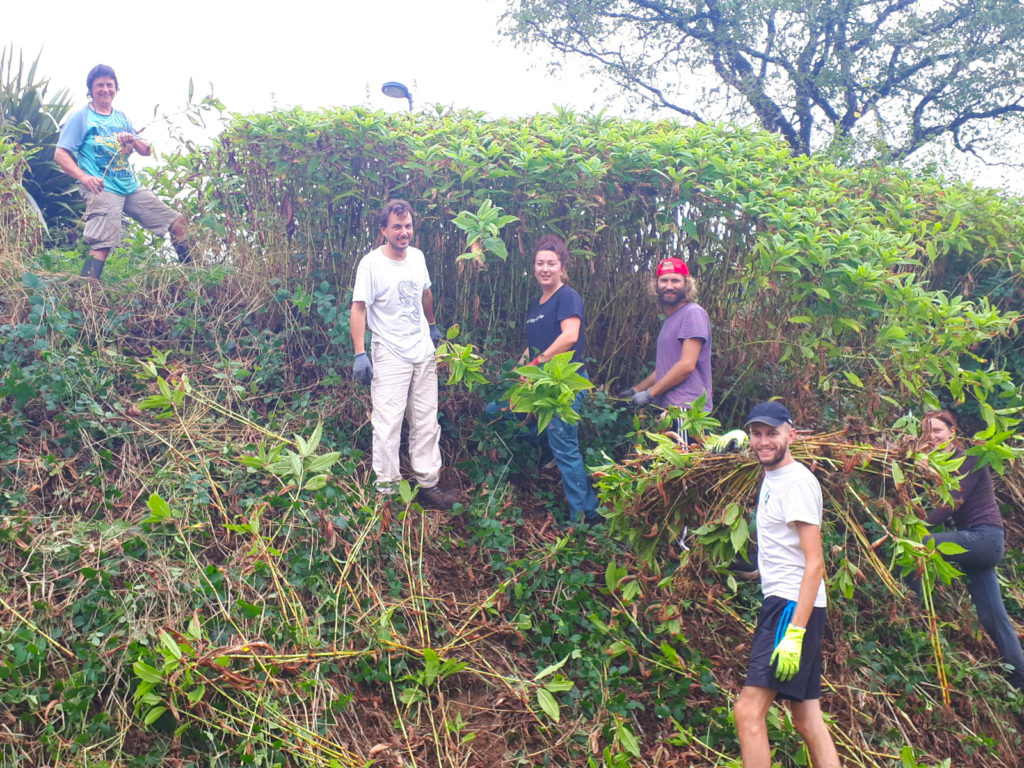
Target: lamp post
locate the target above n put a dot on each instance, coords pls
(397, 91)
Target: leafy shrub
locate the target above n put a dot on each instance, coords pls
(831, 287)
(32, 120)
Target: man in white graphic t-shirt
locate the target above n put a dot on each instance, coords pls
(392, 297)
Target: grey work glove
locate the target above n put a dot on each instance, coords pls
(627, 393)
(435, 333)
(642, 398)
(731, 442)
(362, 368)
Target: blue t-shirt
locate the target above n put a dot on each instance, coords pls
(544, 322)
(92, 139)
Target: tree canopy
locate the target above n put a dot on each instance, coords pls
(880, 77)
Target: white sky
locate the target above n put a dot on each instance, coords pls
(312, 54)
(259, 55)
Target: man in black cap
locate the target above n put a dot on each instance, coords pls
(785, 657)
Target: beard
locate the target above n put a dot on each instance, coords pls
(670, 298)
(775, 458)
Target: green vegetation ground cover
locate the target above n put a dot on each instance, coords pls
(197, 572)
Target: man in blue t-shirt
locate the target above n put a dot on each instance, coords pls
(94, 147)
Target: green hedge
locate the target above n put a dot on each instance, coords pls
(835, 287)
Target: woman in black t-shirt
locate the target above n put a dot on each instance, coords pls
(554, 324)
(979, 530)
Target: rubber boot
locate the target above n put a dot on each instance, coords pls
(93, 268)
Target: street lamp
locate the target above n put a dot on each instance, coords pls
(397, 91)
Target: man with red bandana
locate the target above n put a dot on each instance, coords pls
(682, 368)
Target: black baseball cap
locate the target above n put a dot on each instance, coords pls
(772, 413)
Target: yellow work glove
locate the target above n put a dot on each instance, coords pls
(787, 652)
(734, 440)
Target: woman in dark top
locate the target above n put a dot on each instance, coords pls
(554, 324)
(979, 530)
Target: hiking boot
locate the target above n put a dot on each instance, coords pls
(184, 250)
(547, 459)
(743, 569)
(435, 498)
(592, 523)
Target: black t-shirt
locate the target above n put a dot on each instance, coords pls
(544, 322)
(975, 500)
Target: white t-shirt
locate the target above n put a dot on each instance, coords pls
(789, 495)
(393, 292)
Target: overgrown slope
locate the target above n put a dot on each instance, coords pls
(196, 570)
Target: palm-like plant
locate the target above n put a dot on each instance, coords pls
(33, 121)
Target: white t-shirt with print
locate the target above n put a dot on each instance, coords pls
(393, 292)
(789, 495)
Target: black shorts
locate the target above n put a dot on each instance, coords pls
(771, 626)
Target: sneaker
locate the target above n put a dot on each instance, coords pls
(436, 498)
(743, 569)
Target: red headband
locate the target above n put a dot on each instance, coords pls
(673, 265)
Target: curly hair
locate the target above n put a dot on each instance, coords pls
(689, 288)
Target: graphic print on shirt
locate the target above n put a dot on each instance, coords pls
(409, 294)
(109, 155)
(111, 160)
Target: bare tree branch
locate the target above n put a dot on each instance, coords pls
(820, 73)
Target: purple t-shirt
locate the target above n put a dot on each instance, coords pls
(690, 321)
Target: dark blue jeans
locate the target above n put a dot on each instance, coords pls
(985, 546)
(564, 442)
